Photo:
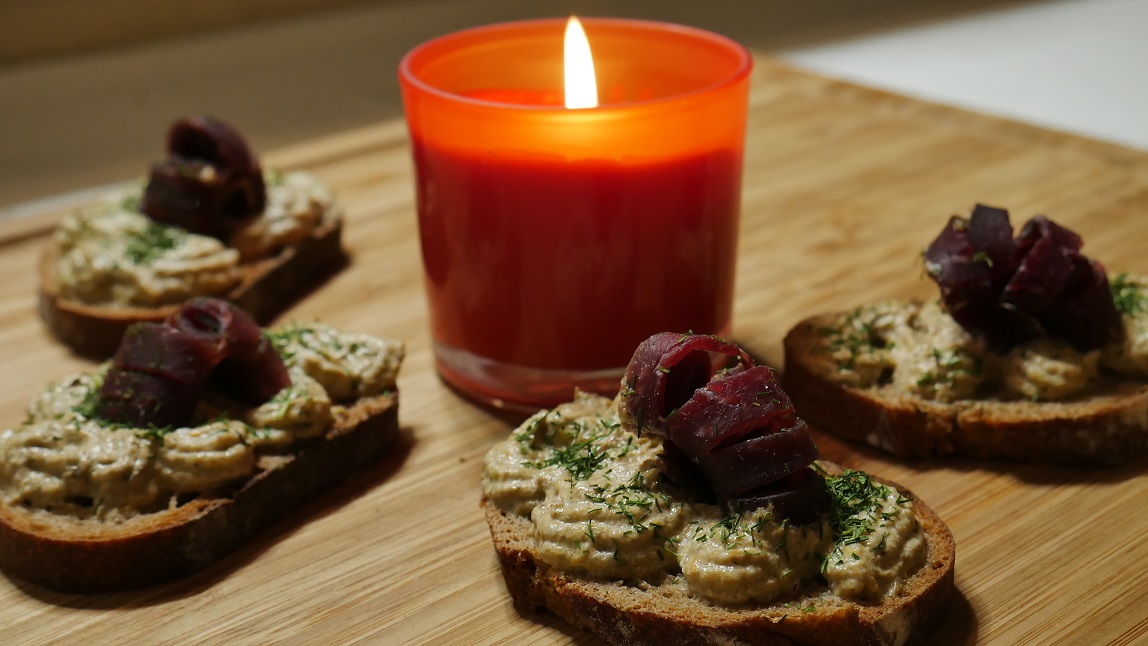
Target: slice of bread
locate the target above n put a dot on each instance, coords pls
(1108, 424)
(71, 555)
(267, 287)
(662, 614)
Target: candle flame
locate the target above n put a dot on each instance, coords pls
(581, 85)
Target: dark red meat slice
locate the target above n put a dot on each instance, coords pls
(667, 368)
(1047, 255)
(252, 377)
(163, 351)
(159, 371)
(691, 372)
(205, 320)
(965, 280)
(682, 477)
(1043, 285)
(213, 141)
(218, 324)
(1085, 315)
(802, 498)
(730, 408)
(251, 371)
(761, 460)
(144, 400)
(731, 432)
(211, 182)
(156, 377)
(990, 232)
(1040, 228)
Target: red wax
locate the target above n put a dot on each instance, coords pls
(555, 240)
(571, 265)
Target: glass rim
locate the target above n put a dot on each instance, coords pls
(740, 73)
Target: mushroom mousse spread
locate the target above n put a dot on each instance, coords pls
(699, 476)
(203, 212)
(1024, 319)
(185, 407)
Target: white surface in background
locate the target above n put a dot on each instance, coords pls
(1073, 65)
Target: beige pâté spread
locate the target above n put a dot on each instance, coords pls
(63, 460)
(111, 254)
(590, 485)
(920, 349)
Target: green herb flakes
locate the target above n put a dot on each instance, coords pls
(153, 242)
(1128, 295)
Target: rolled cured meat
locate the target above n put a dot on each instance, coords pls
(211, 183)
(1013, 290)
(732, 434)
(249, 369)
(158, 374)
(667, 369)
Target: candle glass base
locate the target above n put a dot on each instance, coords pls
(518, 389)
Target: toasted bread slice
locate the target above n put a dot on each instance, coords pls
(1107, 424)
(661, 614)
(71, 555)
(267, 286)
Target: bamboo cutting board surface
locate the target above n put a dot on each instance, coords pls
(843, 188)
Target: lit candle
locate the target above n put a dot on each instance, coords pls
(580, 84)
(558, 233)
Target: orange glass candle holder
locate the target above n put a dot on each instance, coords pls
(555, 240)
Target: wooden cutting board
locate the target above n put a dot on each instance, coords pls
(843, 187)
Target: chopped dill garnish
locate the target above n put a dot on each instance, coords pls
(856, 337)
(628, 390)
(633, 502)
(86, 409)
(152, 433)
(854, 501)
(538, 426)
(551, 430)
(285, 335)
(1128, 295)
(728, 529)
(131, 203)
(153, 242)
(580, 459)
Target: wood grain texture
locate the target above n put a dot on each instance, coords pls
(843, 188)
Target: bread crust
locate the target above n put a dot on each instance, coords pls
(629, 614)
(69, 555)
(267, 286)
(1108, 425)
